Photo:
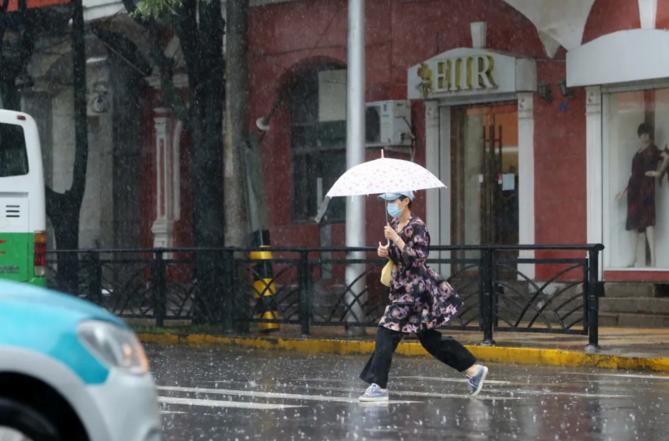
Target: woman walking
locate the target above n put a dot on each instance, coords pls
(420, 302)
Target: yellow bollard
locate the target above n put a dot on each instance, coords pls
(264, 289)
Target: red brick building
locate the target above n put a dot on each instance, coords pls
(549, 95)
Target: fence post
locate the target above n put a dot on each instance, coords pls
(228, 290)
(160, 287)
(593, 299)
(486, 293)
(95, 284)
(303, 282)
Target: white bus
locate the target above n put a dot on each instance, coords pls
(22, 204)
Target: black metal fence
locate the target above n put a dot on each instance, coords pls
(538, 288)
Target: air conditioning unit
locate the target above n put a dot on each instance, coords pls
(388, 124)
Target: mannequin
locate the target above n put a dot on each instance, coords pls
(648, 163)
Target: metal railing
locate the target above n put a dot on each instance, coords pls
(535, 288)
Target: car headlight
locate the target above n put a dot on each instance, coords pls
(114, 346)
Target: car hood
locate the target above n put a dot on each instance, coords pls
(21, 294)
(46, 322)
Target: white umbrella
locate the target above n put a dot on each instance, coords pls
(383, 175)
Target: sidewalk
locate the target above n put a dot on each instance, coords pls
(620, 348)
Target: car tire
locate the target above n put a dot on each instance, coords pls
(27, 420)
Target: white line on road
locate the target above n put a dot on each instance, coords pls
(649, 377)
(217, 403)
(446, 379)
(508, 394)
(541, 387)
(411, 393)
(567, 394)
(259, 394)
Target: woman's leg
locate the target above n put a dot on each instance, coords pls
(447, 350)
(450, 351)
(377, 367)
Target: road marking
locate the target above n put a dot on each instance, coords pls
(217, 403)
(170, 412)
(568, 394)
(259, 394)
(486, 394)
(410, 393)
(649, 377)
(446, 379)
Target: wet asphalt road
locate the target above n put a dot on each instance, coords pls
(241, 394)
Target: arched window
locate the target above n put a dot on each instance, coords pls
(318, 140)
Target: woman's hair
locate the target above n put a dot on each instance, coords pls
(645, 128)
(403, 198)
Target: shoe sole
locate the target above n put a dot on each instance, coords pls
(478, 389)
(371, 399)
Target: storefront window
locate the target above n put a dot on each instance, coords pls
(318, 138)
(636, 203)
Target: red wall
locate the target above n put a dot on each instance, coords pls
(559, 161)
(287, 37)
(607, 16)
(662, 20)
(13, 5)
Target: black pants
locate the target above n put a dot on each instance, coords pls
(445, 349)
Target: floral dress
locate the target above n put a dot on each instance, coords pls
(420, 298)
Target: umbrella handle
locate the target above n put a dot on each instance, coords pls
(387, 217)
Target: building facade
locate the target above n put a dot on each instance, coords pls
(470, 72)
(527, 110)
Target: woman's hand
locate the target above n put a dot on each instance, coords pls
(390, 233)
(382, 250)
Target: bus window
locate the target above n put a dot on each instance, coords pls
(22, 205)
(13, 155)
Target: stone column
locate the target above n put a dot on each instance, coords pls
(594, 161)
(526, 179)
(167, 179)
(437, 158)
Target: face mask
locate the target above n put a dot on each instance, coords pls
(394, 210)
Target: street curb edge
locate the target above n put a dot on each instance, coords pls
(497, 354)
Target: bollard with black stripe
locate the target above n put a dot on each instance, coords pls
(264, 286)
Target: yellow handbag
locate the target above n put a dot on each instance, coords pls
(387, 273)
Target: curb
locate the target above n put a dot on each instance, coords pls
(497, 354)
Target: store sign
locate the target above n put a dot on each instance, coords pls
(459, 73)
(466, 71)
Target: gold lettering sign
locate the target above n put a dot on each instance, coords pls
(470, 73)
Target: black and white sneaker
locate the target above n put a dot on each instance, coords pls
(374, 393)
(475, 382)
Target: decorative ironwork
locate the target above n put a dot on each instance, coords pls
(555, 292)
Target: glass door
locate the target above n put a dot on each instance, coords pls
(484, 174)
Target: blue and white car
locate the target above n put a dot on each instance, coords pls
(70, 370)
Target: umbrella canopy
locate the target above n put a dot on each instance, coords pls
(384, 175)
